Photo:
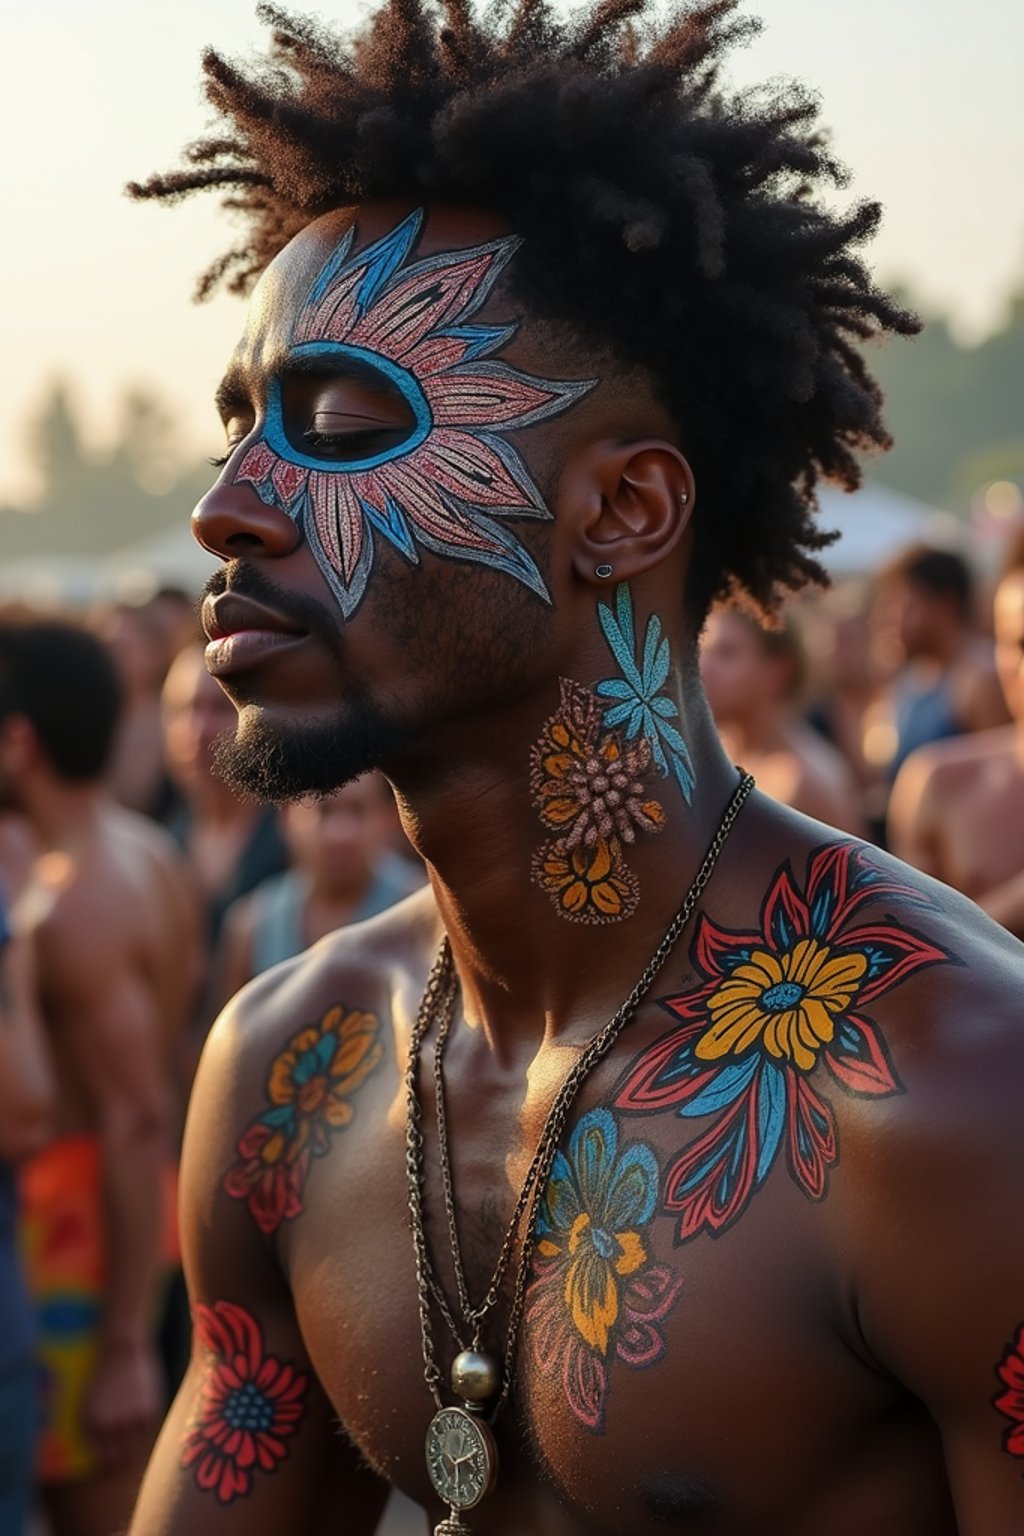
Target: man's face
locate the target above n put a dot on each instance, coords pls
(339, 839)
(1008, 624)
(736, 673)
(376, 500)
(914, 617)
(196, 714)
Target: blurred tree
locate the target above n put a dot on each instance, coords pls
(956, 412)
(95, 503)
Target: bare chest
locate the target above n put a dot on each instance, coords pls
(655, 1387)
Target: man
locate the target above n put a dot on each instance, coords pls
(26, 1106)
(947, 685)
(230, 844)
(957, 808)
(342, 871)
(752, 677)
(555, 373)
(106, 911)
(138, 774)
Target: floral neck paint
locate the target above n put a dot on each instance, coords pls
(591, 772)
(451, 480)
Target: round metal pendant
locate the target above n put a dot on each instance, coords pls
(462, 1458)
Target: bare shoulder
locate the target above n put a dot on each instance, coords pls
(305, 1057)
(920, 1107)
(368, 968)
(948, 762)
(150, 848)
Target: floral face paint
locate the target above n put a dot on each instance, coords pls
(451, 480)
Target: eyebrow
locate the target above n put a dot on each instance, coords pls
(231, 393)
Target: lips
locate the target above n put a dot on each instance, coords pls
(242, 633)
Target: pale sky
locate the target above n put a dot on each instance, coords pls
(923, 97)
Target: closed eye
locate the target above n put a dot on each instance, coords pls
(362, 443)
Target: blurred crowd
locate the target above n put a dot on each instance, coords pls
(138, 893)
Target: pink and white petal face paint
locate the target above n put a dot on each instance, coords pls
(449, 485)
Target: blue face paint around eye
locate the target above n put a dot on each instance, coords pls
(449, 485)
(405, 383)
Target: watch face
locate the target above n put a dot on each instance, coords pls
(460, 1457)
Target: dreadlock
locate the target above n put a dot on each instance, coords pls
(665, 220)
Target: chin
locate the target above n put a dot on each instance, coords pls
(275, 758)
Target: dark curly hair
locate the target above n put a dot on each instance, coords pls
(665, 219)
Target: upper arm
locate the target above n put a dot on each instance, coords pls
(26, 1081)
(290, 1471)
(109, 1018)
(941, 1259)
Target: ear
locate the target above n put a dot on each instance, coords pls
(630, 503)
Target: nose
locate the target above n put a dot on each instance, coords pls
(232, 521)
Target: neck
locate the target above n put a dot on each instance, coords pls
(62, 814)
(527, 972)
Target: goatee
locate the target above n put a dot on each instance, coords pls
(270, 762)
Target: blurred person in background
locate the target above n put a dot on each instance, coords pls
(230, 844)
(957, 809)
(172, 612)
(946, 684)
(846, 680)
(27, 1094)
(753, 677)
(138, 774)
(342, 871)
(106, 908)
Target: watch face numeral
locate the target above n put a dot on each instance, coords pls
(460, 1458)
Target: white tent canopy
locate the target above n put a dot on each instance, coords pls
(874, 524)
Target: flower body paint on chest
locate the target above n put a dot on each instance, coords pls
(452, 482)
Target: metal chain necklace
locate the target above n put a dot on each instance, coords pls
(460, 1449)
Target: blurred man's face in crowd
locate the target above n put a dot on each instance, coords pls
(339, 839)
(737, 673)
(1008, 618)
(136, 646)
(196, 711)
(913, 619)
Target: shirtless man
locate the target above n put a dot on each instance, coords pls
(106, 911)
(486, 472)
(342, 871)
(27, 1097)
(947, 685)
(957, 808)
(752, 677)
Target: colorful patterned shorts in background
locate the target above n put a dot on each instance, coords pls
(61, 1231)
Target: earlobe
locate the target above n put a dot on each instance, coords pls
(638, 501)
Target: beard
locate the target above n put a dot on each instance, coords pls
(272, 761)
